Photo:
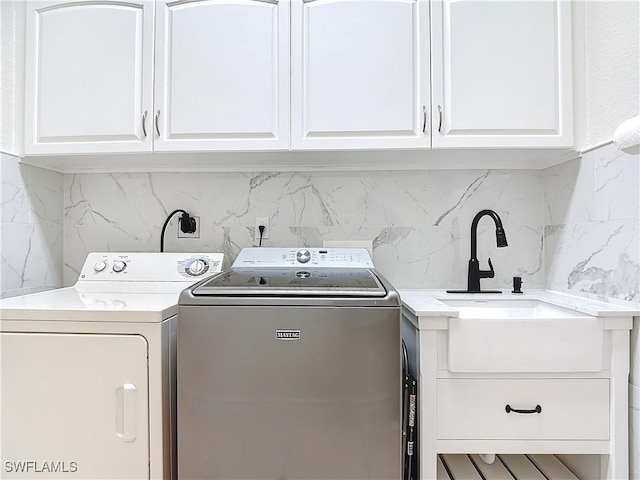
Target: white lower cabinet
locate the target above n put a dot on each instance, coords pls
(523, 409)
(580, 416)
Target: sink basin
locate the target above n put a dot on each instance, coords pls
(521, 335)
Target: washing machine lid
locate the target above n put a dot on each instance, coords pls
(287, 282)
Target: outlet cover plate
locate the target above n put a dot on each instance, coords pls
(261, 221)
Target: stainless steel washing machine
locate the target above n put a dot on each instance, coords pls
(289, 368)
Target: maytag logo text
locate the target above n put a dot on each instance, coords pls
(288, 334)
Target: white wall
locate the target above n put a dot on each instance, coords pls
(11, 75)
(7, 76)
(612, 67)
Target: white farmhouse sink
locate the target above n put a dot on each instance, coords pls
(513, 308)
(520, 335)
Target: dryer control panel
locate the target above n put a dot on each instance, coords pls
(264, 257)
(150, 267)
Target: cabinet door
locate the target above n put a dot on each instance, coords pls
(74, 406)
(88, 76)
(501, 73)
(222, 75)
(360, 74)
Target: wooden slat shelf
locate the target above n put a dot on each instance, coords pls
(505, 467)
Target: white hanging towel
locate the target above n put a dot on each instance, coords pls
(627, 136)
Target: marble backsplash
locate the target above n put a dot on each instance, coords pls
(419, 221)
(31, 223)
(592, 225)
(574, 227)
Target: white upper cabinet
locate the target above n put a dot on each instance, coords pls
(222, 75)
(111, 76)
(88, 76)
(360, 74)
(501, 73)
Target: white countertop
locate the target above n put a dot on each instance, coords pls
(426, 303)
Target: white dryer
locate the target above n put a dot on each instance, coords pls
(88, 372)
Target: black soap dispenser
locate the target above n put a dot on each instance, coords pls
(517, 285)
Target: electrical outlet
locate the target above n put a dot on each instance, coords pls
(261, 221)
(195, 234)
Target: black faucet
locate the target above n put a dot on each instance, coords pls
(475, 274)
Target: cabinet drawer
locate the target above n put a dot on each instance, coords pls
(570, 409)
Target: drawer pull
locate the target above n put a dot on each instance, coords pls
(508, 409)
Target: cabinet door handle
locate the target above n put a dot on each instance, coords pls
(424, 118)
(157, 120)
(440, 122)
(144, 124)
(508, 409)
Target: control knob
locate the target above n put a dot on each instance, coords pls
(119, 266)
(100, 266)
(303, 256)
(197, 267)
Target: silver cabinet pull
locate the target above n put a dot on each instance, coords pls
(157, 125)
(144, 124)
(440, 122)
(424, 119)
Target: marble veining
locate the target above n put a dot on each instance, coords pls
(14, 206)
(569, 192)
(419, 222)
(610, 266)
(592, 236)
(467, 193)
(31, 220)
(617, 190)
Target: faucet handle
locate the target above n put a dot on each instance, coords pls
(490, 273)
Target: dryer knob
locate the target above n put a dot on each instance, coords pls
(100, 266)
(197, 267)
(303, 256)
(119, 266)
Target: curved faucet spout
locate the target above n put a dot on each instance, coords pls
(501, 238)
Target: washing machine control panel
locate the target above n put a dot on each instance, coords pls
(263, 257)
(150, 267)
